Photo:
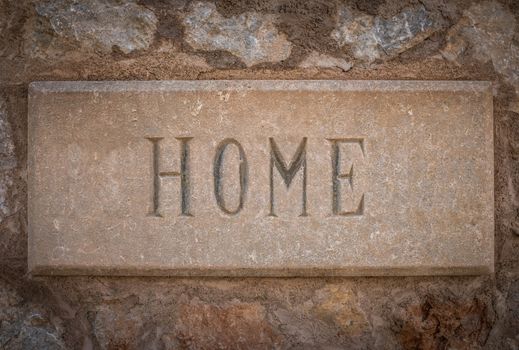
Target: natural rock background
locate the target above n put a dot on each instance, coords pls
(257, 39)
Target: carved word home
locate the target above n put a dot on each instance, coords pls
(277, 162)
(260, 178)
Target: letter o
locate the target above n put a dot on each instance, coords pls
(217, 175)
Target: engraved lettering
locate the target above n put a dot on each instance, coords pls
(217, 175)
(183, 174)
(337, 176)
(287, 172)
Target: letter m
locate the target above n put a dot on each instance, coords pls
(287, 172)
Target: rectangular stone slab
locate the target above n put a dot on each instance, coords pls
(261, 178)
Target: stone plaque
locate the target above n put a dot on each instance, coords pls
(261, 178)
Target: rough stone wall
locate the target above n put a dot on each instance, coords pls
(257, 39)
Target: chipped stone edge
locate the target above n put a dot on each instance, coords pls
(262, 85)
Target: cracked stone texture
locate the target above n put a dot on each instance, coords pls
(486, 33)
(374, 37)
(250, 36)
(7, 162)
(7, 156)
(95, 25)
(318, 313)
(11, 187)
(24, 325)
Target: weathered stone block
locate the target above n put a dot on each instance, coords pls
(251, 37)
(261, 178)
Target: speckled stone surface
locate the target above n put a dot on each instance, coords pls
(261, 178)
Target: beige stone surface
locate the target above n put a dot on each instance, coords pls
(122, 178)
